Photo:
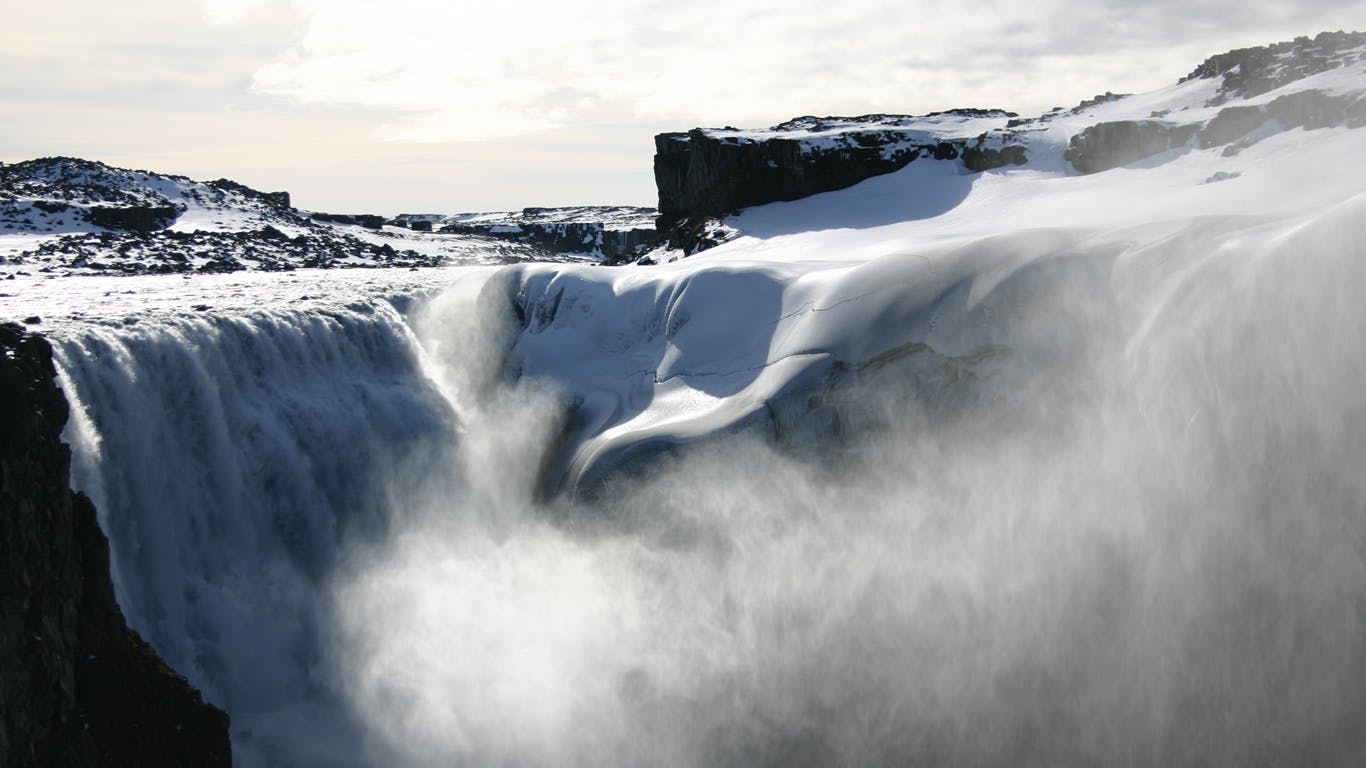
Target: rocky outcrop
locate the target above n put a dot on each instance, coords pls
(1249, 72)
(704, 174)
(1103, 146)
(1308, 109)
(367, 220)
(278, 200)
(133, 218)
(979, 156)
(77, 686)
(614, 234)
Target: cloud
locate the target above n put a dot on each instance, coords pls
(227, 12)
(472, 71)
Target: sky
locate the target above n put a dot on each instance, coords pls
(434, 106)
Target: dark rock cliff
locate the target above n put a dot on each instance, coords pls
(702, 174)
(77, 686)
(1103, 146)
(568, 237)
(1248, 72)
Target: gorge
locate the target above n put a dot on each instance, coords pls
(1016, 466)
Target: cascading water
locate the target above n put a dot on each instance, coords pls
(231, 458)
(1140, 548)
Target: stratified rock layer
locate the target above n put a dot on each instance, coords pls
(77, 686)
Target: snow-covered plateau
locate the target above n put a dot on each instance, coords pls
(1024, 466)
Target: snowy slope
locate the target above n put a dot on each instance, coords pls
(1231, 100)
(928, 259)
(64, 216)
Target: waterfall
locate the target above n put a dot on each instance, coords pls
(231, 458)
(1131, 537)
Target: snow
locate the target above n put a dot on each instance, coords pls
(847, 275)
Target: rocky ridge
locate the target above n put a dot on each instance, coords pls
(612, 234)
(705, 173)
(65, 215)
(1230, 100)
(78, 687)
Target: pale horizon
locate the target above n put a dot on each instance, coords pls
(418, 107)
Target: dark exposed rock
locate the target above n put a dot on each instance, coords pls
(1095, 101)
(1103, 146)
(603, 230)
(978, 158)
(1231, 124)
(1249, 72)
(1309, 109)
(702, 175)
(706, 174)
(695, 234)
(136, 218)
(278, 200)
(51, 206)
(367, 220)
(77, 686)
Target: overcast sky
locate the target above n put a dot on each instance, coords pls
(392, 106)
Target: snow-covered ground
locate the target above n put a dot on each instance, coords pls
(65, 216)
(912, 256)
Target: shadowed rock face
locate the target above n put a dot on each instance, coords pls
(1248, 72)
(77, 686)
(133, 218)
(702, 175)
(1110, 145)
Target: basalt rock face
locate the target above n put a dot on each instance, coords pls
(702, 175)
(136, 218)
(77, 687)
(1243, 74)
(1103, 146)
(705, 173)
(613, 234)
(1249, 72)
